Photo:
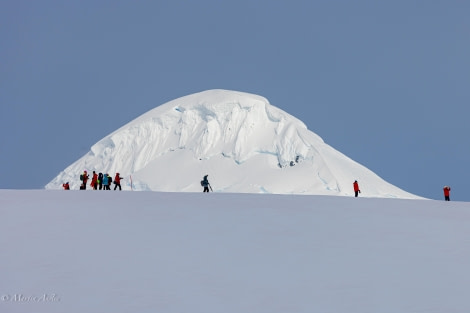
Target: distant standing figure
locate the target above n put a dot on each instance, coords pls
(110, 180)
(357, 191)
(100, 180)
(94, 181)
(84, 178)
(117, 181)
(105, 182)
(66, 186)
(205, 184)
(447, 193)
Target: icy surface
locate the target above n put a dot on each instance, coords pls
(75, 252)
(240, 140)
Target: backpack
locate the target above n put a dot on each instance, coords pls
(202, 183)
(81, 176)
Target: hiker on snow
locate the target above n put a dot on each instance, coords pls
(110, 180)
(357, 191)
(446, 193)
(94, 181)
(66, 186)
(117, 181)
(84, 178)
(105, 182)
(205, 184)
(100, 180)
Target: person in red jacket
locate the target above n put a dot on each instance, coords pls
(357, 191)
(94, 181)
(66, 186)
(117, 181)
(447, 193)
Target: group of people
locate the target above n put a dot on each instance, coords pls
(103, 182)
(205, 183)
(98, 181)
(446, 189)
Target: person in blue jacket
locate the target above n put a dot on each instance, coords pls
(105, 182)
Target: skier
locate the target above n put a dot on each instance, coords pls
(105, 182)
(66, 186)
(357, 191)
(205, 183)
(94, 181)
(446, 193)
(84, 178)
(117, 181)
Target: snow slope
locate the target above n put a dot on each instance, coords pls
(240, 140)
(75, 252)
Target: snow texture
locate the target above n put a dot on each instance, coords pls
(240, 140)
(78, 251)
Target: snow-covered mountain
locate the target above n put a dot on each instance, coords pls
(240, 140)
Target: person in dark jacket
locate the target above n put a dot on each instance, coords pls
(446, 193)
(100, 181)
(110, 180)
(357, 191)
(205, 183)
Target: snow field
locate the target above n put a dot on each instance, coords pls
(227, 252)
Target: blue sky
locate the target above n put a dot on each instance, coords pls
(384, 82)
